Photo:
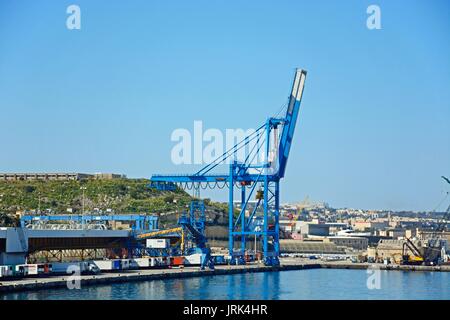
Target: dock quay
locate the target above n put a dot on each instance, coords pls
(142, 275)
(53, 282)
(393, 267)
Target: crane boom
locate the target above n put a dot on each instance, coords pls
(291, 119)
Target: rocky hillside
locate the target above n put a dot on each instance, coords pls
(119, 195)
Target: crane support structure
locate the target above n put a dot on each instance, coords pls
(433, 249)
(258, 175)
(432, 253)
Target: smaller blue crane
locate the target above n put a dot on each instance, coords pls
(190, 230)
(194, 224)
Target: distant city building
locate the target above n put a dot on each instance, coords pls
(287, 225)
(309, 247)
(427, 234)
(391, 249)
(394, 233)
(312, 229)
(410, 233)
(43, 176)
(357, 243)
(109, 176)
(52, 176)
(362, 225)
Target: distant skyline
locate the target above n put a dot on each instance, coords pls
(373, 131)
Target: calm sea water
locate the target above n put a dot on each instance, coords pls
(302, 284)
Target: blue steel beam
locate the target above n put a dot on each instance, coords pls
(211, 178)
(142, 222)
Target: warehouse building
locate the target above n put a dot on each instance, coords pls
(52, 176)
(44, 176)
(309, 247)
(356, 243)
(312, 229)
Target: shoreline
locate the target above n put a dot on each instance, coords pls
(55, 282)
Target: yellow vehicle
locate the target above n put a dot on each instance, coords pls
(411, 259)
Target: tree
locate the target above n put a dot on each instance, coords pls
(169, 198)
(29, 189)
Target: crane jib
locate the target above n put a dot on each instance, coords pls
(291, 119)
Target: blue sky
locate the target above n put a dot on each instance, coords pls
(374, 127)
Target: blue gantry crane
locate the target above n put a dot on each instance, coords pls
(257, 174)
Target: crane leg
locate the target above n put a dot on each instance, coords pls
(231, 216)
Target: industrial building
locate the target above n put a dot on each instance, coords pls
(309, 247)
(108, 176)
(362, 225)
(312, 229)
(390, 249)
(356, 243)
(44, 176)
(60, 176)
(394, 233)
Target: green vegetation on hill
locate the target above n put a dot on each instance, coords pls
(120, 195)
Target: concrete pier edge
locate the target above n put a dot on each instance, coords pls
(143, 275)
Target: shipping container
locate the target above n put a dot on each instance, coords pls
(6, 271)
(193, 259)
(177, 261)
(44, 268)
(117, 264)
(162, 261)
(64, 267)
(24, 270)
(107, 265)
(20, 270)
(125, 264)
(157, 243)
(32, 269)
(140, 262)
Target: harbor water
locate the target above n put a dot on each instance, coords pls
(286, 285)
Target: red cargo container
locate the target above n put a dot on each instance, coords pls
(177, 261)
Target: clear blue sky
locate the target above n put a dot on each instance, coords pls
(374, 130)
